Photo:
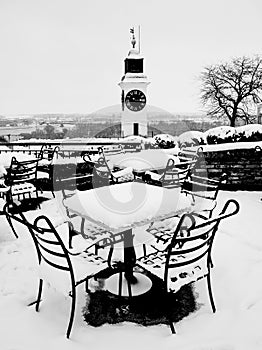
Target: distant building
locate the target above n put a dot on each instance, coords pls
(259, 113)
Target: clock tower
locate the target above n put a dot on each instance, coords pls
(134, 93)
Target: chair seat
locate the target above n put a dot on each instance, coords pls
(44, 162)
(25, 187)
(178, 277)
(153, 176)
(90, 231)
(162, 231)
(124, 175)
(85, 264)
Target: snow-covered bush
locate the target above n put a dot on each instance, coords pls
(250, 132)
(191, 138)
(221, 134)
(164, 141)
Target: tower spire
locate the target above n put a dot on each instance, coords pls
(133, 38)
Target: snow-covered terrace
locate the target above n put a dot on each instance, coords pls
(236, 280)
(237, 290)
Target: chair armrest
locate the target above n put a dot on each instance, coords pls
(123, 172)
(154, 176)
(95, 242)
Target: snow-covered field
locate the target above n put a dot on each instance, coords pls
(237, 287)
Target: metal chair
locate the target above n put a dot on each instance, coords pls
(53, 255)
(187, 154)
(79, 225)
(45, 163)
(173, 176)
(112, 149)
(195, 186)
(3, 190)
(103, 175)
(47, 154)
(203, 187)
(21, 179)
(187, 258)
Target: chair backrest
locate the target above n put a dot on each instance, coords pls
(112, 149)
(176, 173)
(67, 186)
(21, 172)
(47, 152)
(101, 168)
(49, 246)
(201, 186)
(189, 154)
(192, 242)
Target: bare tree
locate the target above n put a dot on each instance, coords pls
(231, 90)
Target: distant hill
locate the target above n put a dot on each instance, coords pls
(110, 114)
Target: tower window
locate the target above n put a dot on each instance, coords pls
(134, 65)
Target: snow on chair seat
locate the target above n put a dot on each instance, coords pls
(155, 263)
(25, 187)
(124, 175)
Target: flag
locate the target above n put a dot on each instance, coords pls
(132, 30)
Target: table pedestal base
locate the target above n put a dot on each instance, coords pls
(142, 285)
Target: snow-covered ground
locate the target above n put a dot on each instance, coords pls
(237, 287)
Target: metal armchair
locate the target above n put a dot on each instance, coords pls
(103, 175)
(54, 257)
(21, 179)
(45, 163)
(187, 258)
(173, 175)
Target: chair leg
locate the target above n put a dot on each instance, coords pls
(86, 286)
(109, 257)
(38, 200)
(210, 293)
(72, 313)
(40, 288)
(120, 283)
(171, 325)
(12, 226)
(82, 227)
(129, 289)
(211, 263)
(169, 314)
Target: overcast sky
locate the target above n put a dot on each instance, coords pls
(67, 55)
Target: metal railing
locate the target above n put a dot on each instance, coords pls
(66, 149)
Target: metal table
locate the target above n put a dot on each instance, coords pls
(141, 161)
(122, 207)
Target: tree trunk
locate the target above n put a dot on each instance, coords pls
(232, 122)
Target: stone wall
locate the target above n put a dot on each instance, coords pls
(243, 167)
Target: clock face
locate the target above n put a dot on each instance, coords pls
(135, 100)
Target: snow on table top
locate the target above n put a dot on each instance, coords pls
(142, 161)
(123, 206)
